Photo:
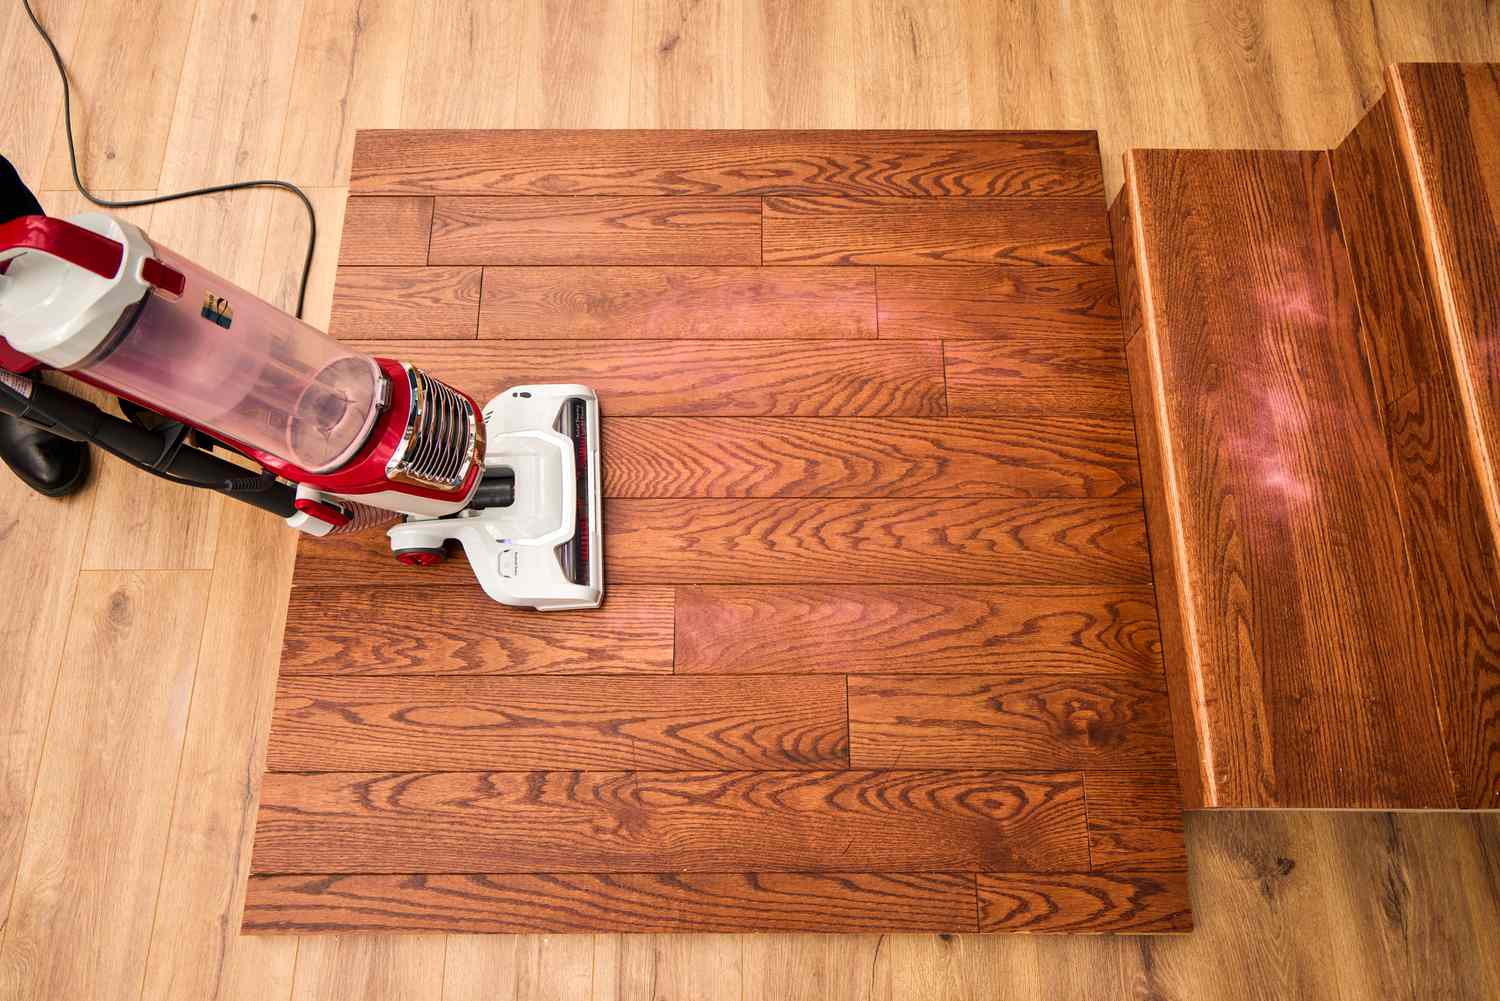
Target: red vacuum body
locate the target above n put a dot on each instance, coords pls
(364, 439)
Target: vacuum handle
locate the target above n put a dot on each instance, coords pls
(62, 240)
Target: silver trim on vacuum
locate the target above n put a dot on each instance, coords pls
(442, 440)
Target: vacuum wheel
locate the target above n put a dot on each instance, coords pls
(421, 557)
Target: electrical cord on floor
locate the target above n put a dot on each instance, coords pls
(312, 217)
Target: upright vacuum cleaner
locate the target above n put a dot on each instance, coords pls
(337, 441)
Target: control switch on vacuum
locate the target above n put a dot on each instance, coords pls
(510, 562)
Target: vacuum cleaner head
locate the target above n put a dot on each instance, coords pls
(533, 531)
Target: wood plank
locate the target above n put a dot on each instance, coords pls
(805, 541)
(347, 77)
(569, 903)
(876, 541)
(44, 540)
(1135, 821)
(1137, 903)
(335, 630)
(997, 301)
(433, 724)
(88, 874)
(1313, 688)
(910, 629)
(987, 721)
(526, 967)
(207, 853)
(1042, 374)
(708, 378)
(368, 967)
(1446, 130)
(674, 821)
(214, 138)
(573, 65)
(410, 303)
(906, 231)
(596, 230)
(750, 162)
(122, 104)
(452, 76)
(868, 457)
(686, 70)
(677, 302)
(386, 231)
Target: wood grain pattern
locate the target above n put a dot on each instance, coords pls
(749, 162)
(440, 763)
(985, 721)
(1453, 558)
(593, 230)
(430, 724)
(875, 457)
(347, 77)
(1446, 133)
(1135, 821)
(907, 231)
(677, 821)
(1043, 374)
(510, 903)
(1398, 312)
(1449, 136)
(1084, 901)
(997, 301)
(718, 378)
(106, 704)
(908, 629)
(1305, 647)
(120, 129)
(410, 303)
(734, 303)
(334, 630)
(1185, 689)
(386, 231)
(875, 541)
(1453, 569)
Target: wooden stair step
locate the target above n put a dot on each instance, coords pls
(1260, 292)
(1419, 187)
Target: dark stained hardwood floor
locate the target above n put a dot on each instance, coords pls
(879, 648)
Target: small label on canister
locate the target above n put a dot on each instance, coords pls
(217, 309)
